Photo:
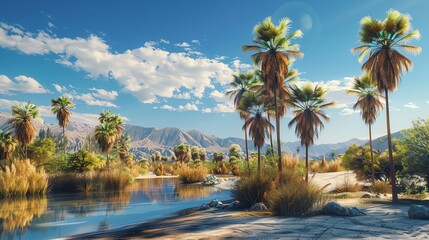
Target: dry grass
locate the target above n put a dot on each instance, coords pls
(325, 166)
(296, 198)
(290, 162)
(192, 175)
(114, 180)
(22, 179)
(28, 208)
(221, 168)
(348, 187)
(253, 188)
(381, 187)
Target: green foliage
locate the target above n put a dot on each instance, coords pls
(413, 150)
(358, 159)
(182, 153)
(82, 161)
(203, 154)
(195, 153)
(41, 151)
(58, 163)
(164, 158)
(413, 184)
(237, 166)
(235, 151)
(221, 168)
(156, 156)
(217, 156)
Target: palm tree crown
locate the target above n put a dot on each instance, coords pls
(7, 145)
(105, 134)
(61, 107)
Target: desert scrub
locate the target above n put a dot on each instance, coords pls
(381, 187)
(22, 179)
(296, 198)
(192, 175)
(253, 188)
(290, 162)
(159, 169)
(221, 168)
(237, 167)
(413, 184)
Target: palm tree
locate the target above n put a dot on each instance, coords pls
(242, 83)
(22, 123)
(7, 145)
(382, 41)
(258, 128)
(182, 152)
(308, 103)
(273, 52)
(116, 120)
(105, 134)
(123, 146)
(370, 103)
(61, 107)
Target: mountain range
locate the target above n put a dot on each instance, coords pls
(145, 141)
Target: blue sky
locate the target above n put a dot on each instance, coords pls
(168, 63)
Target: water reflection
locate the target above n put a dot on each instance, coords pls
(59, 215)
(18, 213)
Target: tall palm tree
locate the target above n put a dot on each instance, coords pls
(123, 146)
(105, 134)
(116, 120)
(242, 83)
(258, 128)
(22, 123)
(382, 41)
(61, 107)
(274, 49)
(370, 103)
(308, 103)
(7, 145)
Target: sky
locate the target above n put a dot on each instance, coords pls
(168, 63)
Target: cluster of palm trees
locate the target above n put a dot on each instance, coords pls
(268, 91)
(382, 41)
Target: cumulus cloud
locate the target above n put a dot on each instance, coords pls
(45, 111)
(411, 105)
(181, 108)
(185, 95)
(237, 65)
(348, 111)
(146, 72)
(183, 44)
(21, 83)
(98, 97)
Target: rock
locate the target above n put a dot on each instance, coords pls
(214, 203)
(204, 206)
(418, 212)
(258, 207)
(367, 195)
(234, 205)
(335, 209)
(219, 205)
(378, 195)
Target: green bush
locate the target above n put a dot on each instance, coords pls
(221, 168)
(253, 188)
(82, 161)
(413, 184)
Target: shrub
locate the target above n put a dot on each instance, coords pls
(381, 187)
(159, 169)
(237, 167)
(290, 162)
(192, 175)
(296, 198)
(324, 164)
(115, 180)
(21, 179)
(253, 188)
(221, 168)
(82, 161)
(348, 187)
(335, 166)
(217, 156)
(413, 184)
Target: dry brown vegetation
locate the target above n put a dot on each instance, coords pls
(191, 175)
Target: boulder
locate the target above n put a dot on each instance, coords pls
(259, 207)
(214, 203)
(367, 195)
(335, 209)
(418, 212)
(204, 206)
(219, 204)
(234, 205)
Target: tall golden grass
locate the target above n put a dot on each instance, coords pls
(381, 187)
(290, 162)
(192, 175)
(325, 166)
(22, 179)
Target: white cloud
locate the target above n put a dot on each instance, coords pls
(196, 41)
(164, 41)
(59, 88)
(188, 107)
(51, 25)
(237, 65)
(168, 107)
(219, 96)
(89, 99)
(411, 105)
(147, 72)
(21, 83)
(348, 111)
(206, 110)
(183, 44)
(185, 95)
(224, 108)
(104, 94)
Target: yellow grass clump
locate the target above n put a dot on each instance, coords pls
(192, 175)
(290, 162)
(325, 166)
(381, 187)
(22, 179)
(18, 213)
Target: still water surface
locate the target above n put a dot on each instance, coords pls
(59, 215)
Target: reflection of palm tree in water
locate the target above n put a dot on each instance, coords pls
(104, 225)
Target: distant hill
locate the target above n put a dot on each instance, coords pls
(147, 140)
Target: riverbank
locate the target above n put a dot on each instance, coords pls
(382, 221)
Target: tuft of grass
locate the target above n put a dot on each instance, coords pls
(335, 166)
(347, 187)
(290, 162)
(192, 175)
(253, 188)
(221, 168)
(381, 187)
(22, 179)
(296, 198)
(114, 180)
(325, 166)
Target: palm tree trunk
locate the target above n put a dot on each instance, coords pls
(107, 160)
(279, 150)
(247, 145)
(259, 160)
(271, 137)
(372, 155)
(64, 140)
(389, 144)
(306, 163)
(26, 153)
